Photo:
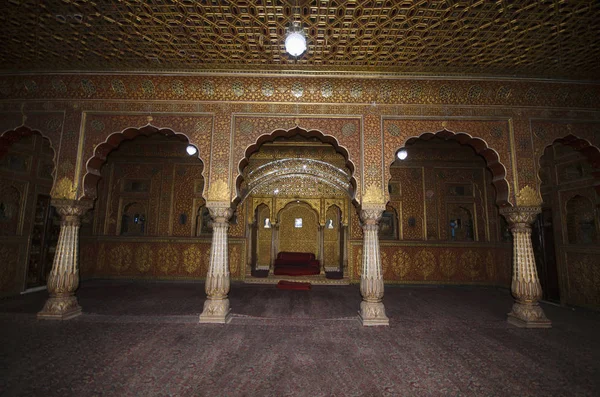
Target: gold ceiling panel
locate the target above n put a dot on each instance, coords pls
(555, 38)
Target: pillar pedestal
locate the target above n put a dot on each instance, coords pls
(216, 307)
(64, 276)
(525, 287)
(372, 310)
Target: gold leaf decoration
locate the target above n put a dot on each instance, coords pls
(234, 260)
(218, 191)
(167, 259)
(63, 189)
(472, 264)
(425, 262)
(528, 197)
(120, 257)
(401, 263)
(447, 263)
(373, 195)
(192, 259)
(143, 258)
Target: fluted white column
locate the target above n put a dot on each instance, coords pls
(372, 311)
(216, 307)
(63, 279)
(525, 287)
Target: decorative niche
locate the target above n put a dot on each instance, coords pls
(203, 221)
(133, 219)
(388, 225)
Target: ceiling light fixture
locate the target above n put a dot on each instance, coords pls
(191, 150)
(402, 154)
(295, 41)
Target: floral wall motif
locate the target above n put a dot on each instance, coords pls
(439, 263)
(153, 258)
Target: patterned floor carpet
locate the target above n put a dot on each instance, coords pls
(143, 339)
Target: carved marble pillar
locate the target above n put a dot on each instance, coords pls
(525, 286)
(372, 311)
(63, 279)
(216, 307)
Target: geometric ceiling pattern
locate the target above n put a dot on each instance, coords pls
(554, 38)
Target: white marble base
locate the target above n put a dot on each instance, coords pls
(372, 314)
(216, 311)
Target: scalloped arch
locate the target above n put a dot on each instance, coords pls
(590, 151)
(266, 138)
(95, 163)
(7, 138)
(480, 147)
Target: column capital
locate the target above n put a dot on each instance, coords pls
(220, 213)
(67, 207)
(371, 214)
(520, 217)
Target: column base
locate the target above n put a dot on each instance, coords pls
(216, 311)
(528, 315)
(372, 314)
(60, 308)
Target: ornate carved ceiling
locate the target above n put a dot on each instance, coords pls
(553, 38)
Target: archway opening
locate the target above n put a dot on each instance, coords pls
(149, 220)
(567, 232)
(442, 224)
(29, 225)
(297, 190)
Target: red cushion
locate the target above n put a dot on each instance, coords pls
(295, 270)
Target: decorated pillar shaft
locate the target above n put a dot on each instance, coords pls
(525, 285)
(216, 306)
(63, 279)
(372, 311)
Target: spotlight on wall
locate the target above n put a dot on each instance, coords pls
(191, 150)
(402, 154)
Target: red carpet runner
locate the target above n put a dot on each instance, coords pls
(293, 285)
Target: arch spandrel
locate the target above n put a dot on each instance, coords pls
(481, 135)
(249, 132)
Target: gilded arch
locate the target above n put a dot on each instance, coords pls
(240, 195)
(101, 152)
(11, 136)
(491, 156)
(590, 151)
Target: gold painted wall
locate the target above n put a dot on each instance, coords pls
(331, 238)
(298, 239)
(265, 238)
